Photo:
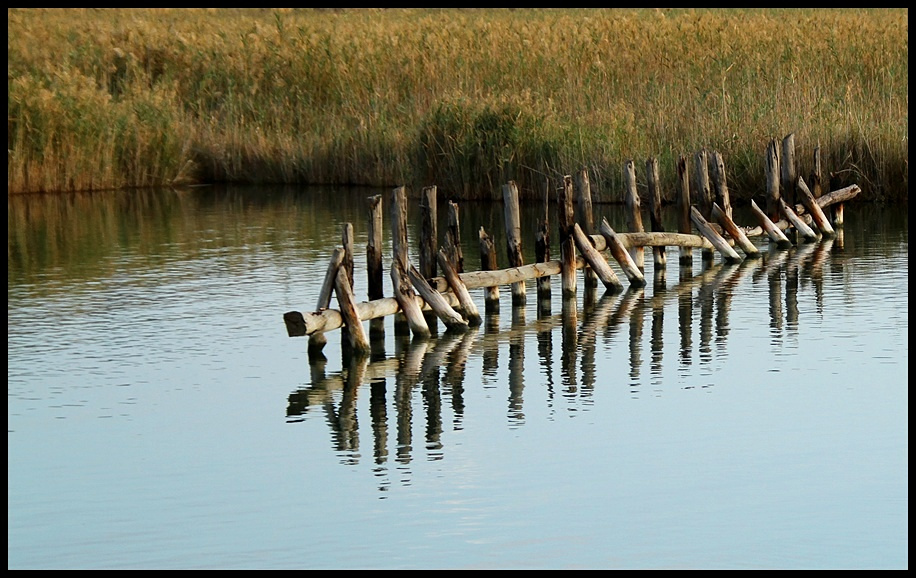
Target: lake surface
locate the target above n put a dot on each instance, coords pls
(725, 416)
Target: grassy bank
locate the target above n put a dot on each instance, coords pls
(463, 99)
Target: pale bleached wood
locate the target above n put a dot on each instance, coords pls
(596, 260)
(350, 314)
(806, 232)
(715, 238)
(404, 295)
(810, 203)
(317, 341)
(769, 227)
(452, 319)
(734, 231)
(619, 251)
(634, 213)
(459, 289)
(514, 238)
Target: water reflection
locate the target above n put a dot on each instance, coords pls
(430, 373)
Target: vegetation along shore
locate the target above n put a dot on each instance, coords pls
(464, 99)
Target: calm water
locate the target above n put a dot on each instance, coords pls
(725, 416)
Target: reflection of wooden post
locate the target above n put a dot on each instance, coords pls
(597, 261)
(567, 243)
(769, 227)
(542, 245)
(428, 232)
(655, 214)
(772, 173)
(514, 238)
(347, 303)
(683, 210)
(787, 172)
(634, 216)
(817, 214)
(488, 263)
(374, 261)
(584, 217)
(453, 239)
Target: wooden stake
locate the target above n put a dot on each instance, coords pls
(349, 313)
(453, 238)
(405, 297)
(634, 216)
(584, 217)
(683, 210)
(806, 232)
(429, 234)
(317, 340)
(729, 254)
(772, 186)
(817, 214)
(787, 172)
(735, 232)
(452, 319)
(567, 243)
(655, 215)
(514, 238)
(374, 262)
(596, 260)
(459, 289)
(488, 263)
(542, 246)
(769, 227)
(620, 254)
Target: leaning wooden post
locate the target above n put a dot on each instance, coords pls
(728, 254)
(429, 234)
(817, 214)
(407, 301)
(542, 246)
(620, 254)
(459, 289)
(797, 222)
(634, 214)
(488, 263)
(374, 261)
(683, 210)
(584, 218)
(346, 239)
(318, 340)
(769, 227)
(565, 222)
(597, 261)
(787, 172)
(772, 186)
(452, 319)
(655, 215)
(514, 238)
(453, 239)
(734, 231)
(347, 303)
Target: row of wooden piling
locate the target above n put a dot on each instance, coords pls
(420, 295)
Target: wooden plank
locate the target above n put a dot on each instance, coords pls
(596, 260)
(715, 238)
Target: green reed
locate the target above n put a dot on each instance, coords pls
(463, 99)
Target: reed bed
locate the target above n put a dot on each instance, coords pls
(465, 99)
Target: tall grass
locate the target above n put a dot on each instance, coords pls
(461, 98)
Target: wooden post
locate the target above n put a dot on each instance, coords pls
(817, 214)
(772, 186)
(655, 215)
(720, 184)
(567, 243)
(488, 263)
(453, 239)
(399, 225)
(374, 261)
(514, 238)
(542, 246)
(429, 234)
(346, 237)
(729, 254)
(634, 216)
(584, 218)
(797, 222)
(769, 227)
(683, 210)
(459, 289)
(452, 319)
(620, 254)
(597, 261)
(702, 193)
(816, 172)
(406, 299)
(735, 232)
(347, 303)
(787, 172)
(318, 340)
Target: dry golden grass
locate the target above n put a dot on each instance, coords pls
(464, 99)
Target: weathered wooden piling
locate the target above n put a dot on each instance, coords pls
(714, 237)
(374, 261)
(634, 213)
(655, 213)
(685, 254)
(542, 247)
(346, 239)
(583, 212)
(566, 219)
(452, 319)
(318, 340)
(769, 227)
(596, 260)
(817, 214)
(621, 255)
(772, 181)
(787, 171)
(406, 299)
(702, 192)
(720, 184)
(735, 232)
(459, 289)
(355, 332)
(514, 238)
(453, 239)
(399, 250)
(429, 234)
(488, 263)
(801, 226)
